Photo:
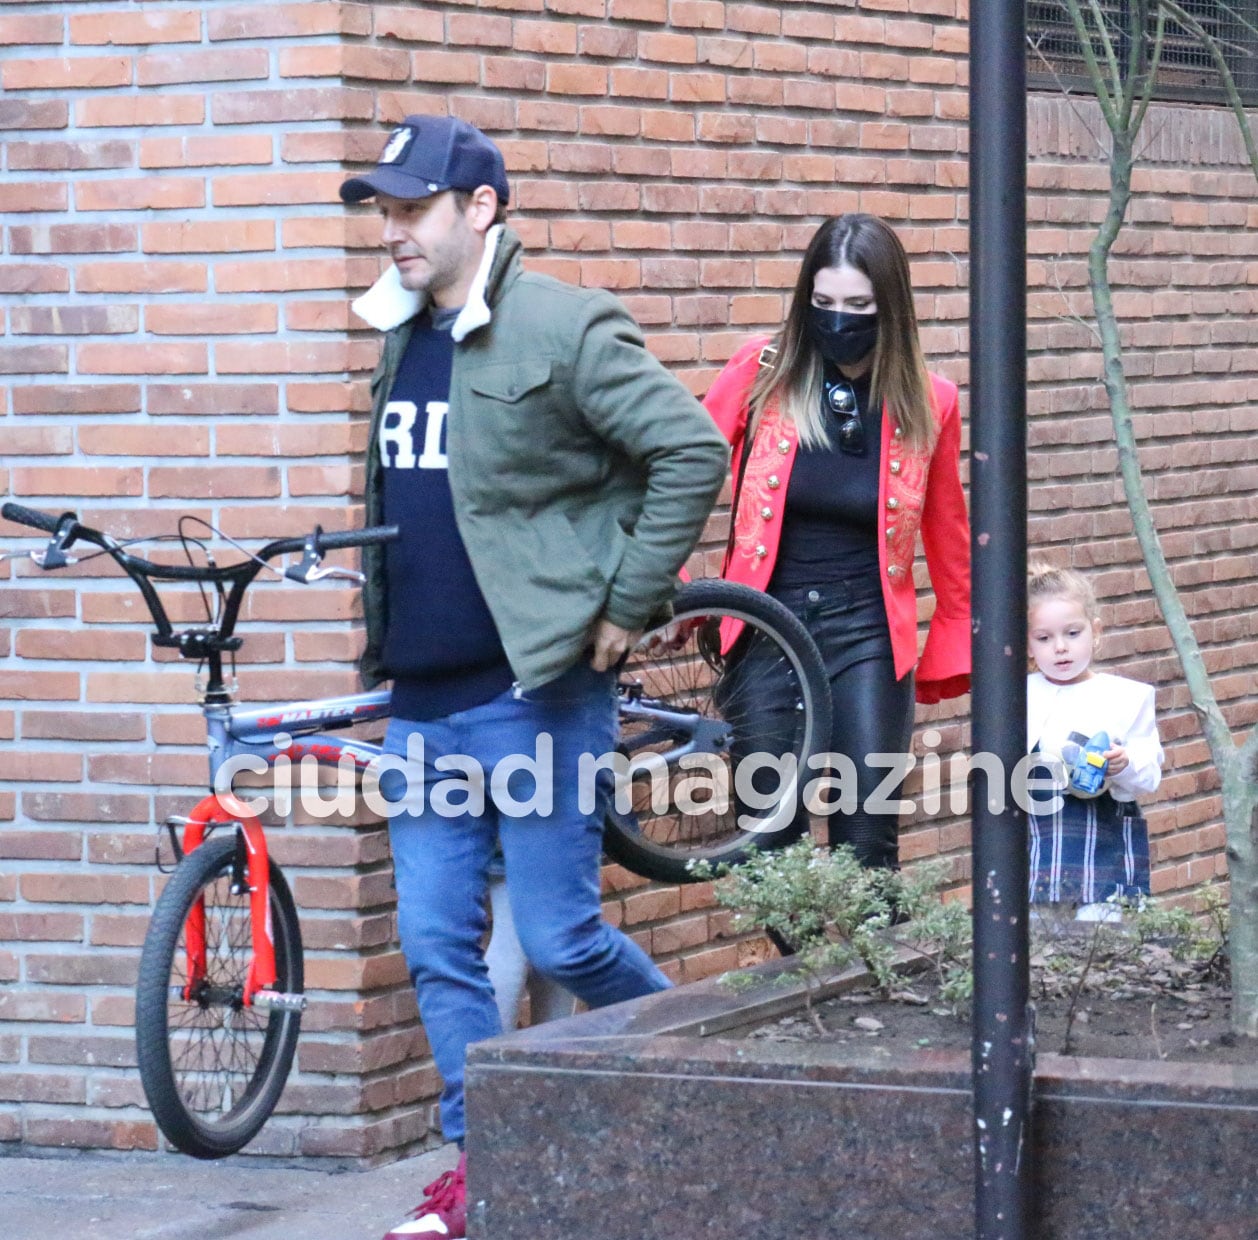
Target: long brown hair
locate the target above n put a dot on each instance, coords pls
(794, 376)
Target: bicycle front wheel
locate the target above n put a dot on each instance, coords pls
(212, 1068)
(716, 732)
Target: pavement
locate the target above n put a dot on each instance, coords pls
(99, 1196)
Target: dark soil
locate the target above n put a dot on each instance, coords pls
(1133, 1001)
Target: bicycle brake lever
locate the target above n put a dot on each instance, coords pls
(54, 555)
(311, 567)
(348, 574)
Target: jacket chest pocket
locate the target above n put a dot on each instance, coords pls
(509, 399)
(515, 414)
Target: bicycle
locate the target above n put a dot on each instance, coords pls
(219, 994)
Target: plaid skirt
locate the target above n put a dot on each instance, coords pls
(1088, 851)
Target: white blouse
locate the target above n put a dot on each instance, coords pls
(1113, 704)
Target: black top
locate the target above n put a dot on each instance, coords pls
(441, 645)
(830, 522)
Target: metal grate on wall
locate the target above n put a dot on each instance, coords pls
(1186, 71)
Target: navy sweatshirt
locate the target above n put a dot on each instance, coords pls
(441, 646)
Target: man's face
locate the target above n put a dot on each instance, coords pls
(434, 247)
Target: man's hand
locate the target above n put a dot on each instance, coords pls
(611, 643)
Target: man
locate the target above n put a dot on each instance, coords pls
(549, 478)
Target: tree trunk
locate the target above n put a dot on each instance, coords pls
(1240, 814)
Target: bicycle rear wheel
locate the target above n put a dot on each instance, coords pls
(692, 716)
(213, 1069)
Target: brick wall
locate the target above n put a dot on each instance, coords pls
(177, 270)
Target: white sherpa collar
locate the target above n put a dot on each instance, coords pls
(387, 304)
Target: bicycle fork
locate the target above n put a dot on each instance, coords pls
(250, 873)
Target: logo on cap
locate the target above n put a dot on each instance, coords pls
(396, 146)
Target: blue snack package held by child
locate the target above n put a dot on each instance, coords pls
(1087, 774)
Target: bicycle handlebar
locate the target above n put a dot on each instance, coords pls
(66, 530)
(71, 531)
(28, 516)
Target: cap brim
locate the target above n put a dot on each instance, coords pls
(388, 181)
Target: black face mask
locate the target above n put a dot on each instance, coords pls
(842, 338)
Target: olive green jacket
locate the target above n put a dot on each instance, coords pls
(582, 472)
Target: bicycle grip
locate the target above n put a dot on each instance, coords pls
(28, 516)
(358, 538)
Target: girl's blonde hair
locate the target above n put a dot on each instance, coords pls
(793, 378)
(1044, 581)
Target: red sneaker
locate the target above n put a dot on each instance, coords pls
(442, 1215)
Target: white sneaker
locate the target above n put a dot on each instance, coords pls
(1111, 914)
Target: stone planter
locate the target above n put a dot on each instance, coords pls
(633, 1123)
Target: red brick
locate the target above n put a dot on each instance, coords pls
(141, 277)
(51, 845)
(512, 73)
(35, 441)
(287, 358)
(33, 359)
(131, 111)
(42, 1005)
(36, 604)
(142, 359)
(182, 482)
(136, 29)
(638, 10)
(71, 480)
(34, 114)
(139, 194)
(140, 441)
(42, 1087)
(32, 29)
(676, 49)
(317, 316)
(280, 21)
(270, 189)
(75, 398)
(212, 318)
(33, 196)
(66, 73)
(192, 152)
(454, 68)
(71, 238)
(34, 278)
(576, 79)
(70, 156)
(546, 37)
(41, 927)
(409, 25)
(247, 398)
(316, 103)
(91, 1134)
(205, 236)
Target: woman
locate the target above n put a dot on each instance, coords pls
(844, 449)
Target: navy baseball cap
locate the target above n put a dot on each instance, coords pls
(426, 155)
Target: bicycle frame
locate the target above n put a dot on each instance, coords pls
(266, 734)
(294, 730)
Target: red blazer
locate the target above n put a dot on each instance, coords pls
(919, 490)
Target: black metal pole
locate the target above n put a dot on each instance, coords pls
(1002, 1026)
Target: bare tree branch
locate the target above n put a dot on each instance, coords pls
(1190, 23)
(1095, 73)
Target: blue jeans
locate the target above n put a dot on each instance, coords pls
(441, 862)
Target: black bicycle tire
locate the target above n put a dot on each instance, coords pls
(660, 861)
(183, 1127)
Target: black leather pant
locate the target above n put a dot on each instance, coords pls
(873, 711)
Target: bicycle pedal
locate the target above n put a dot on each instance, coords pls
(278, 1001)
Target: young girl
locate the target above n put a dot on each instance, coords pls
(1092, 848)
